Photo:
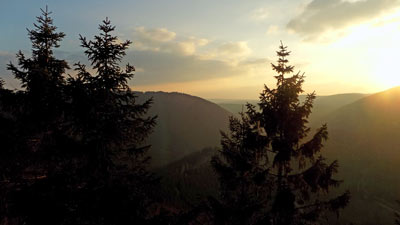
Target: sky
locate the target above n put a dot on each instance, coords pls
(224, 49)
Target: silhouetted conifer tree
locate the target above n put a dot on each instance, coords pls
(33, 118)
(75, 153)
(269, 171)
(42, 75)
(110, 126)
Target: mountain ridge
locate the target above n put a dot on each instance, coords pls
(185, 124)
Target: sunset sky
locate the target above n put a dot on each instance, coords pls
(223, 49)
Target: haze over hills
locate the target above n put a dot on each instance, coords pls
(368, 131)
(185, 124)
(364, 135)
(323, 105)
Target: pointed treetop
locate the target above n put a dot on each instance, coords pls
(42, 66)
(44, 37)
(282, 68)
(106, 27)
(105, 52)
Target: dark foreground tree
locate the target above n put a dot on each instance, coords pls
(105, 114)
(269, 171)
(77, 154)
(32, 118)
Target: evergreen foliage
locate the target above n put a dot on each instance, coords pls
(75, 151)
(269, 171)
(112, 125)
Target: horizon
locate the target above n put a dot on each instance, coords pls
(211, 58)
(256, 99)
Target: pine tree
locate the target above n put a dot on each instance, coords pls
(110, 126)
(37, 109)
(269, 171)
(78, 156)
(42, 75)
(40, 102)
(32, 122)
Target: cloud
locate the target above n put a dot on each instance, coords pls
(231, 52)
(255, 62)
(166, 67)
(321, 16)
(202, 77)
(259, 14)
(157, 34)
(234, 48)
(162, 57)
(201, 48)
(185, 58)
(187, 47)
(273, 29)
(164, 40)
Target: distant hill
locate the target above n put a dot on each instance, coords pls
(323, 105)
(185, 124)
(365, 137)
(368, 130)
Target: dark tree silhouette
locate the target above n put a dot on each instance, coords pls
(106, 116)
(269, 171)
(42, 75)
(74, 152)
(33, 118)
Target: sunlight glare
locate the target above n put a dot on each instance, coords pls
(378, 48)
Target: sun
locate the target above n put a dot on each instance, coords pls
(386, 67)
(384, 51)
(373, 50)
(386, 56)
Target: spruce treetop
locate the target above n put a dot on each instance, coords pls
(44, 38)
(42, 68)
(105, 53)
(282, 68)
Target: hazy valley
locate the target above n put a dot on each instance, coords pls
(364, 135)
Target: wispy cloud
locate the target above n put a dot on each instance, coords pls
(164, 67)
(229, 52)
(164, 40)
(273, 29)
(157, 35)
(321, 16)
(260, 14)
